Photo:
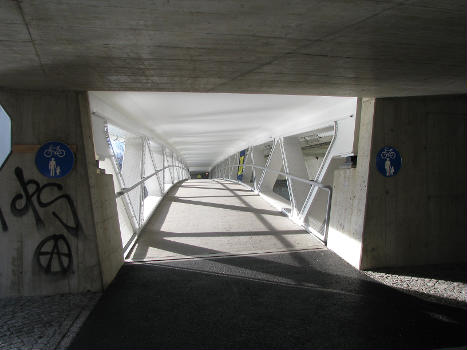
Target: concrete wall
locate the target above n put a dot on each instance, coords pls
(349, 194)
(38, 117)
(312, 164)
(417, 216)
(127, 225)
(109, 241)
(104, 206)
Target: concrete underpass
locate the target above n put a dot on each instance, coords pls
(232, 174)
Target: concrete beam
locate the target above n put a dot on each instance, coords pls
(388, 48)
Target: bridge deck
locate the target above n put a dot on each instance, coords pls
(202, 218)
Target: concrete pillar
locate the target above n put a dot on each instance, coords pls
(417, 216)
(350, 194)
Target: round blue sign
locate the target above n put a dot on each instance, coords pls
(54, 159)
(388, 161)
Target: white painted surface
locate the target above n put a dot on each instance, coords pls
(5, 135)
(98, 135)
(205, 128)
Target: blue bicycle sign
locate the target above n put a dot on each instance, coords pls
(388, 161)
(54, 151)
(54, 159)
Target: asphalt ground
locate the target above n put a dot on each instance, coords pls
(296, 300)
(218, 268)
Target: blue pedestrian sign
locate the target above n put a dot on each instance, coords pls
(388, 161)
(54, 159)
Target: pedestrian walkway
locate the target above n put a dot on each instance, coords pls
(205, 218)
(217, 268)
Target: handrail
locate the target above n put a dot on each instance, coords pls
(310, 182)
(128, 189)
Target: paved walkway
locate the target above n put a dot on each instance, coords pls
(206, 281)
(204, 218)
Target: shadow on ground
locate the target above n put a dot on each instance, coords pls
(291, 300)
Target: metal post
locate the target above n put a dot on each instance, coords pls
(141, 191)
(163, 167)
(313, 190)
(289, 180)
(263, 174)
(130, 211)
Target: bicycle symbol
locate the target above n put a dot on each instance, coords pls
(54, 151)
(58, 259)
(388, 153)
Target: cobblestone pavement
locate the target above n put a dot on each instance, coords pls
(43, 322)
(444, 284)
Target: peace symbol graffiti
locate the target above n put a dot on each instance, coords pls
(54, 254)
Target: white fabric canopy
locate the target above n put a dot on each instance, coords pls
(204, 128)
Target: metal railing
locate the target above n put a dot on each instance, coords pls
(144, 179)
(314, 184)
(132, 240)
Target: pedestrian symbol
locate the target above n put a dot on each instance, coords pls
(54, 159)
(388, 161)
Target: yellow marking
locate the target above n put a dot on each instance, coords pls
(240, 168)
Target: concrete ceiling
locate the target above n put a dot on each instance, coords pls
(204, 128)
(316, 47)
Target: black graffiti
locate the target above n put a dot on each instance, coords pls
(55, 257)
(3, 221)
(70, 229)
(27, 197)
(53, 253)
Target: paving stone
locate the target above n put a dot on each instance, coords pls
(41, 322)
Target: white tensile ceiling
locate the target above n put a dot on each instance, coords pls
(204, 128)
